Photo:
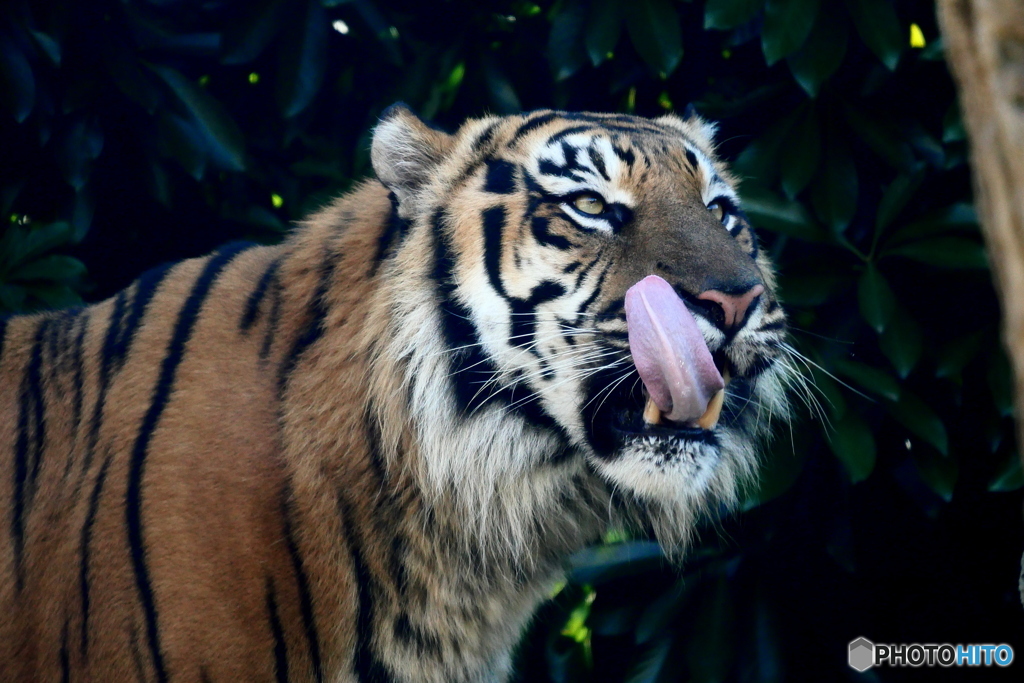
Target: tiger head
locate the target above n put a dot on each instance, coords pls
(579, 295)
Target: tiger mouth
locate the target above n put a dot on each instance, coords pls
(635, 414)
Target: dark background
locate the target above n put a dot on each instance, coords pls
(134, 132)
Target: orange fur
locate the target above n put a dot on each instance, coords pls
(250, 467)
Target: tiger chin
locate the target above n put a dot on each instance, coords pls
(367, 453)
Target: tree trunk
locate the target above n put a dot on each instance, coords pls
(985, 50)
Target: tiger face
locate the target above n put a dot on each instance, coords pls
(599, 304)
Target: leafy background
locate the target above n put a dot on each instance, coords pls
(140, 131)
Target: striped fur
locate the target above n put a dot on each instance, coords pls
(364, 455)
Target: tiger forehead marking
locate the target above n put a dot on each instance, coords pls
(366, 453)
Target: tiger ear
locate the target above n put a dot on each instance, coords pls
(405, 150)
(691, 123)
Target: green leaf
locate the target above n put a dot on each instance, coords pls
(831, 394)
(879, 28)
(12, 298)
(246, 37)
(303, 60)
(48, 45)
(954, 218)
(939, 473)
(651, 663)
(20, 245)
(896, 196)
(602, 563)
(916, 416)
(781, 467)
(944, 252)
(801, 152)
(874, 380)
(728, 14)
(902, 343)
(123, 66)
(953, 125)
(659, 614)
(808, 290)
(955, 356)
(822, 54)
(787, 23)
(17, 84)
(604, 26)
(881, 137)
(178, 139)
(654, 29)
(566, 49)
(55, 267)
(56, 296)
(834, 194)
(784, 216)
(223, 141)
(854, 445)
(1010, 477)
(876, 299)
(759, 162)
(710, 650)
(79, 148)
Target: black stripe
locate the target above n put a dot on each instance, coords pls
(532, 124)
(485, 137)
(272, 321)
(65, 664)
(86, 540)
(494, 224)
(597, 159)
(524, 320)
(161, 396)
(78, 380)
(501, 177)
(626, 155)
(395, 230)
(29, 441)
(691, 158)
(593, 295)
(314, 328)
(539, 227)
(368, 667)
(470, 368)
(305, 597)
(252, 307)
(565, 132)
(34, 396)
(280, 647)
(117, 343)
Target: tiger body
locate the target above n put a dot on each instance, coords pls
(365, 454)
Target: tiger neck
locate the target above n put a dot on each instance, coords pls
(456, 523)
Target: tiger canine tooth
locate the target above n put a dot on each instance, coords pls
(710, 417)
(652, 414)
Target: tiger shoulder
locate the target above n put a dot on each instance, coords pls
(366, 454)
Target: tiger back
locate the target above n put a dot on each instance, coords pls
(366, 454)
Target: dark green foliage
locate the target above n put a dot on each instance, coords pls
(140, 131)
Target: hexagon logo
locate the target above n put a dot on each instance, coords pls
(862, 654)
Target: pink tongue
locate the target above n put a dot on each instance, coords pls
(669, 351)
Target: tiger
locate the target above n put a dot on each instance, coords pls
(366, 454)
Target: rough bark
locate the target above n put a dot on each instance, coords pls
(985, 50)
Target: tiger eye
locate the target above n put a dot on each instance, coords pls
(717, 210)
(589, 204)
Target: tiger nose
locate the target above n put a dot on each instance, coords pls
(734, 306)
